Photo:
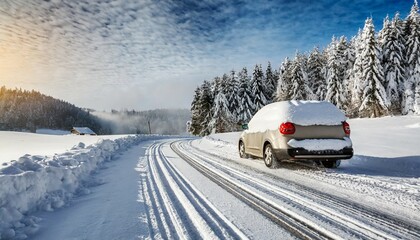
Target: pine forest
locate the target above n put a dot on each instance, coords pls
(30, 110)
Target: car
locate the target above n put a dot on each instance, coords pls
(297, 130)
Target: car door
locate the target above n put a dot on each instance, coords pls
(253, 143)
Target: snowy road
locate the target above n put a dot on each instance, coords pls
(172, 189)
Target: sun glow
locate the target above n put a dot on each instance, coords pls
(17, 62)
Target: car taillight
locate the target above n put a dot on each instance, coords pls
(287, 128)
(346, 128)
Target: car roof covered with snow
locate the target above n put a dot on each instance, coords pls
(302, 113)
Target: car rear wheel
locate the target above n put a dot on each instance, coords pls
(270, 159)
(331, 163)
(242, 153)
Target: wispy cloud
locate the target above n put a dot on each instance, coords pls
(147, 54)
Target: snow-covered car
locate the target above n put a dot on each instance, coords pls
(290, 130)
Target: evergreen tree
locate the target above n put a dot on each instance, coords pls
(284, 82)
(276, 77)
(257, 89)
(216, 87)
(411, 97)
(349, 60)
(245, 103)
(299, 88)
(205, 104)
(196, 118)
(222, 119)
(355, 84)
(270, 83)
(224, 85)
(316, 73)
(336, 68)
(232, 93)
(392, 62)
(374, 100)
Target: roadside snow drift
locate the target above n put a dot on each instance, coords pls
(44, 183)
(302, 113)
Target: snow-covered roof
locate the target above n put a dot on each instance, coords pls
(84, 130)
(302, 113)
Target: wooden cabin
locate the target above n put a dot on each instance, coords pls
(83, 131)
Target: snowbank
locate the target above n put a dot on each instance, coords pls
(44, 183)
(302, 113)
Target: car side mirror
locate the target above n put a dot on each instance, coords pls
(245, 126)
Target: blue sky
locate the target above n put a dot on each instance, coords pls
(148, 54)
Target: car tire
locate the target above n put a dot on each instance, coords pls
(331, 163)
(241, 148)
(270, 159)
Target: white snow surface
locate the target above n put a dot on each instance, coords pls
(320, 144)
(302, 113)
(16, 144)
(35, 182)
(52, 131)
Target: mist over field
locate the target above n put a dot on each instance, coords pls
(162, 121)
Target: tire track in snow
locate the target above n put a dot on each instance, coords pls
(157, 210)
(348, 217)
(176, 209)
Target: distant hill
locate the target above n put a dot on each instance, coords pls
(22, 110)
(162, 121)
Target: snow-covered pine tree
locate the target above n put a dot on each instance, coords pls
(336, 69)
(411, 97)
(349, 59)
(196, 118)
(299, 87)
(205, 105)
(270, 83)
(224, 84)
(374, 102)
(284, 82)
(355, 81)
(232, 93)
(316, 73)
(259, 99)
(222, 120)
(215, 86)
(244, 92)
(276, 76)
(392, 62)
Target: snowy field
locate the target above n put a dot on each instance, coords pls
(16, 144)
(126, 187)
